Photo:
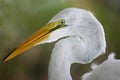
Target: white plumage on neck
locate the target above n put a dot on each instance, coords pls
(84, 42)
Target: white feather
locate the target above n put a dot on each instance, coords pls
(84, 41)
(108, 70)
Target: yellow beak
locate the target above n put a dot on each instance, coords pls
(36, 38)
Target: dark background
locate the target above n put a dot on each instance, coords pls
(20, 18)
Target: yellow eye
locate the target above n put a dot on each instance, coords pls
(62, 21)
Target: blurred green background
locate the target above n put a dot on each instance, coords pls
(20, 18)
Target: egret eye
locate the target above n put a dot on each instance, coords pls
(62, 21)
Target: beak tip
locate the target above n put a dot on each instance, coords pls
(4, 60)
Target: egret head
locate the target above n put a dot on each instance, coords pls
(85, 41)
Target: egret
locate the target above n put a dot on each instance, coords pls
(80, 39)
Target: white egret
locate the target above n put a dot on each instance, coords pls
(80, 42)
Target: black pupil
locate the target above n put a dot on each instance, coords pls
(62, 22)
